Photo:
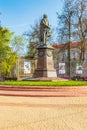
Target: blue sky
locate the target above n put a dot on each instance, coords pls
(19, 15)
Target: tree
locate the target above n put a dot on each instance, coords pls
(7, 57)
(33, 40)
(73, 25)
(5, 36)
(18, 45)
(65, 27)
(32, 51)
(80, 25)
(8, 63)
(34, 33)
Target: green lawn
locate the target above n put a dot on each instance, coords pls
(43, 83)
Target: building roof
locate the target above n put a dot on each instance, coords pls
(72, 44)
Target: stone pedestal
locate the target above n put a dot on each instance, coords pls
(45, 63)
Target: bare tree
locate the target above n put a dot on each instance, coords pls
(65, 22)
(18, 45)
(80, 26)
(33, 33)
(65, 25)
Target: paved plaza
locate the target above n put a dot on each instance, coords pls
(43, 113)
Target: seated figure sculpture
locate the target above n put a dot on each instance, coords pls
(44, 30)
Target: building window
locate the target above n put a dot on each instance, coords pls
(64, 55)
(74, 55)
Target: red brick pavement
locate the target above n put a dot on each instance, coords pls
(43, 91)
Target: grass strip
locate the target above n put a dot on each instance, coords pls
(43, 83)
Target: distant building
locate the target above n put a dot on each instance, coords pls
(61, 56)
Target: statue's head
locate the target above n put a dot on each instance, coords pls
(44, 16)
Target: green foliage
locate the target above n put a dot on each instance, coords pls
(8, 63)
(43, 83)
(7, 57)
(5, 36)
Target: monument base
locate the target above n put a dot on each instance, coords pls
(45, 73)
(45, 63)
